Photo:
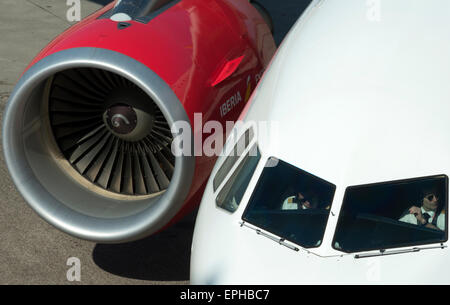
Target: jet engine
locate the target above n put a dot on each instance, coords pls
(88, 129)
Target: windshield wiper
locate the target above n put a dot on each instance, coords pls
(276, 239)
(383, 252)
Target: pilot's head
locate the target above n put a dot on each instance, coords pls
(308, 200)
(431, 199)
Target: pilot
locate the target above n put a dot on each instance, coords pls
(302, 200)
(430, 213)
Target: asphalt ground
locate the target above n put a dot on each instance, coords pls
(32, 251)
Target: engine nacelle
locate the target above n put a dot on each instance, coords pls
(87, 130)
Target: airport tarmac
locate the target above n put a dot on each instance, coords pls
(32, 251)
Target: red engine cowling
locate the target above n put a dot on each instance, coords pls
(87, 130)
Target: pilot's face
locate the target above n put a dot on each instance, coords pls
(430, 202)
(305, 202)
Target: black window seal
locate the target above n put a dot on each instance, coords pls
(408, 180)
(272, 231)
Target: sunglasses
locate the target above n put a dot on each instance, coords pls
(430, 197)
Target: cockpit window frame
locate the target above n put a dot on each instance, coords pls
(270, 160)
(392, 182)
(232, 158)
(252, 151)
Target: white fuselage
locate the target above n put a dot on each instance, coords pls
(356, 101)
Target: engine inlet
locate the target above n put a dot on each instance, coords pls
(111, 132)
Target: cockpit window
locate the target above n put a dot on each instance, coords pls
(231, 194)
(291, 203)
(393, 214)
(240, 146)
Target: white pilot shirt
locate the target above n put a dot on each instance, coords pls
(410, 218)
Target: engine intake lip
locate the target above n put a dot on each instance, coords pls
(51, 192)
